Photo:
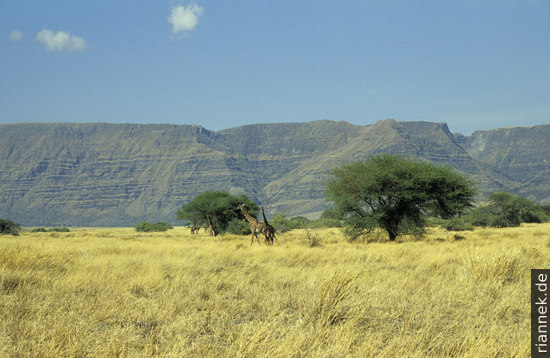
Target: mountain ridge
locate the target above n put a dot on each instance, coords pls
(102, 174)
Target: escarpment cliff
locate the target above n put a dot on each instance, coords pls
(99, 174)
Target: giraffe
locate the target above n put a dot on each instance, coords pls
(269, 230)
(195, 229)
(255, 226)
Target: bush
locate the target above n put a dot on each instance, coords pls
(326, 222)
(238, 227)
(545, 208)
(537, 215)
(489, 216)
(458, 224)
(9, 227)
(150, 227)
(53, 229)
(281, 223)
(59, 229)
(507, 210)
(503, 220)
(480, 216)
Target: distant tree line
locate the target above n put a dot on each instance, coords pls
(51, 229)
(502, 210)
(388, 192)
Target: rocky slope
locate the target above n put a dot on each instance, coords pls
(521, 153)
(119, 174)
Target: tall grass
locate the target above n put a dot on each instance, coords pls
(115, 292)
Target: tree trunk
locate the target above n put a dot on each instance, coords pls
(391, 228)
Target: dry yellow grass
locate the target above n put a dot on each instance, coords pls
(118, 293)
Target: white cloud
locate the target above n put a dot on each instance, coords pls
(60, 41)
(185, 18)
(16, 36)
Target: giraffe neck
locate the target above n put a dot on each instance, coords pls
(247, 216)
(263, 215)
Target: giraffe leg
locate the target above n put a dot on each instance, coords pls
(254, 235)
(257, 239)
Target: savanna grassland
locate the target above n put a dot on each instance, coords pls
(119, 293)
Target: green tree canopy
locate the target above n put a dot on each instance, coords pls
(506, 210)
(396, 194)
(221, 207)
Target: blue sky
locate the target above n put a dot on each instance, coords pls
(475, 64)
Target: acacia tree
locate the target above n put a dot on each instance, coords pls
(220, 206)
(396, 194)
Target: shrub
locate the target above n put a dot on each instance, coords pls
(9, 227)
(150, 227)
(238, 227)
(545, 208)
(480, 216)
(503, 220)
(326, 222)
(507, 210)
(59, 229)
(537, 215)
(53, 229)
(313, 240)
(281, 223)
(458, 224)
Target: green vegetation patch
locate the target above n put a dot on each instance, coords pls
(9, 227)
(150, 227)
(52, 229)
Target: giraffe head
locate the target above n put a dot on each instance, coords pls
(243, 209)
